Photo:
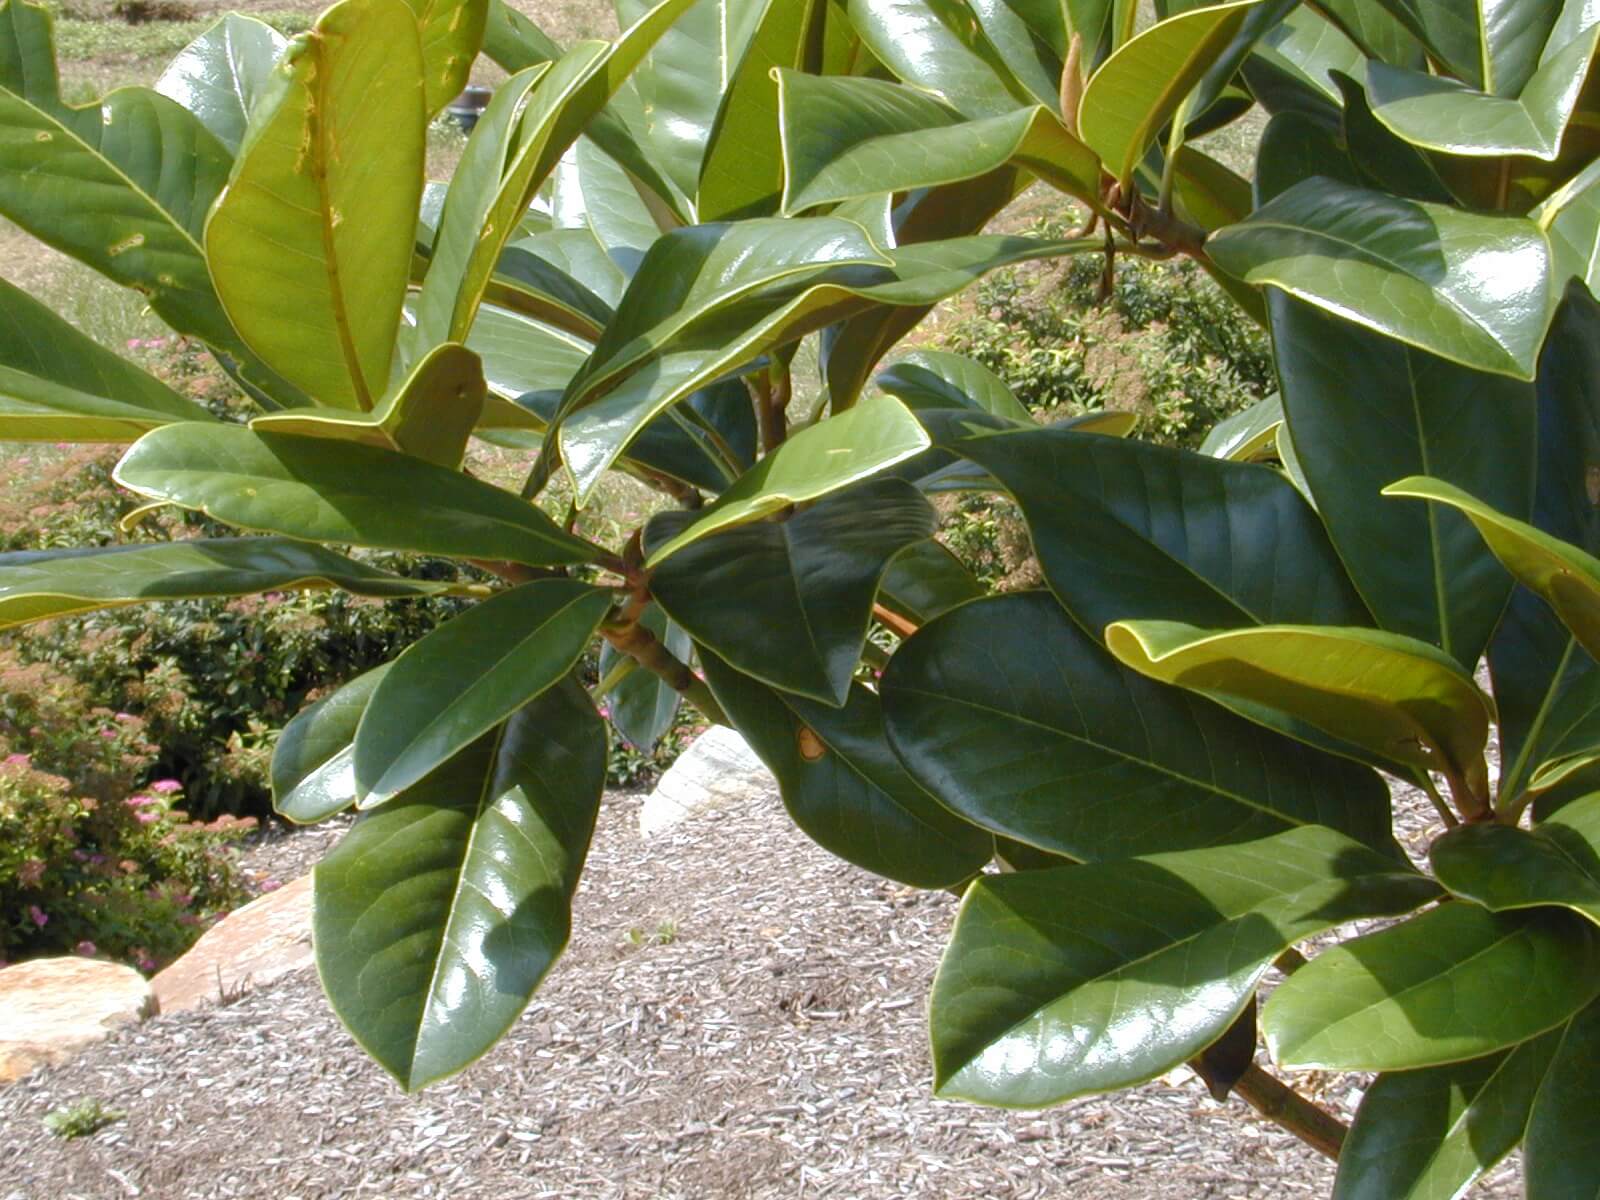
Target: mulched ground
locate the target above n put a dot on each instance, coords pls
(740, 1015)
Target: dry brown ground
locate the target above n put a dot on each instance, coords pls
(774, 1047)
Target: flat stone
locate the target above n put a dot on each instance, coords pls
(52, 1007)
(717, 770)
(249, 948)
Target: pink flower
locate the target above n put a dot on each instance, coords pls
(271, 885)
(86, 949)
(108, 733)
(605, 711)
(135, 343)
(126, 718)
(141, 801)
(38, 915)
(166, 786)
(18, 760)
(146, 817)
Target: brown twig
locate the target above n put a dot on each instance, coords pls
(638, 643)
(1283, 1106)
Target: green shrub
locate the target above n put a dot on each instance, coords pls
(130, 878)
(1166, 344)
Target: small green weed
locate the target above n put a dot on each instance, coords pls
(663, 934)
(80, 1119)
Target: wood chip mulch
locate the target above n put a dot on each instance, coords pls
(740, 1015)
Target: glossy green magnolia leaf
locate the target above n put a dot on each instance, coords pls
(1022, 723)
(1058, 983)
(843, 785)
(311, 244)
(122, 185)
(742, 173)
(938, 379)
(437, 915)
(313, 762)
(467, 676)
(1296, 147)
(520, 145)
(642, 705)
(1567, 578)
(690, 274)
(847, 138)
(1141, 86)
(37, 584)
(430, 415)
(457, 273)
(563, 277)
(598, 428)
(1446, 115)
(1472, 289)
(1430, 1133)
(1030, 36)
(924, 580)
(1117, 527)
(937, 46)
(1492, 44)
(1558, 1155)
(1291, 66)
(220, 74)
(1390, 162)
(1503, 868)
(1374, 29)
(56, 385)
(789, 602)
(828, 456)
(452, 34)
(1365, 411)
(1570, 217)
(682, 82)
(342, 492)
(1455, 983)
(1394, 697)
(1247, 436)
(592, 192)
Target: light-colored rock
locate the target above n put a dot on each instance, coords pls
(52, 1007)
(718, 769)
(265, 940)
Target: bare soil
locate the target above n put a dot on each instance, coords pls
(739, 1015)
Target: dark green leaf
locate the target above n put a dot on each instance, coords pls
(1473, 289)
(1454, 983)
(467, 676)
(1430, 1133)
(1365, 411)
(329, 491)
(437, 916)
(642, 706)
(925, 580)
(843, 785)
(847, 138)
(1127, 529)
(1502, 868)
(1084, 979)
(36, 584)
(313, 768)
(1022, 723)
(1561, 1156)
(789, 602)
(936, 45)
(938, 379)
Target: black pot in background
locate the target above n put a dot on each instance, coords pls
(466, 108)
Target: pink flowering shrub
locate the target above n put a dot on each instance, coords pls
(127, 877)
